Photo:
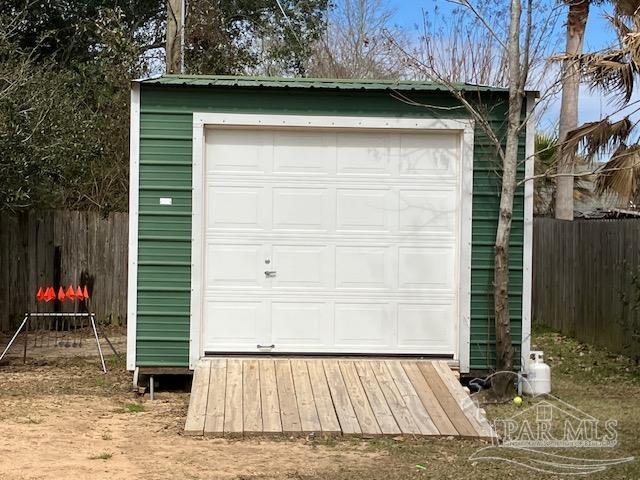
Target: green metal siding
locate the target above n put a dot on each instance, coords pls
(164, 233)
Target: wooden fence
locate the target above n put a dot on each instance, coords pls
(586, 273)
(62, 247)
(586, 280)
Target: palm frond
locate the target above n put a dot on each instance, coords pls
(627, 8)
(621, 174)
(597, 137)
(631, 43)
(546, 148)
(611, 72)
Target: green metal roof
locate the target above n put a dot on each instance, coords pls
(315, 83)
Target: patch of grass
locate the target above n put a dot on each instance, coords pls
(106, 436)
(571, 358)
(113, 362)
(134, 408)
(101, 456)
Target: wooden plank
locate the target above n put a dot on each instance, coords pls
(449, 404)
(251, 402)
(271, 422)
(429, 399)
(344, 410)
(198, 400)
(469, 409)
(233, 398)
(309, 420)
(322, 396)
(379, 405)
(214, 419)
(364, 412)
(287, 397)
(463, 399)
(411, 399)
(394, 399)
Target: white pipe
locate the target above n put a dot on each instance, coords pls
(95, 333)
(14, 337)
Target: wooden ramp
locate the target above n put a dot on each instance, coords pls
(236, 396)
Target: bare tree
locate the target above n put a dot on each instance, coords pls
(354, 44)
(461, 48)
(471, 49)
(516, 48)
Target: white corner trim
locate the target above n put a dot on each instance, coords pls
(197, 242)
(134, 177)
(464, 126)
(465, 249)
(527, 250)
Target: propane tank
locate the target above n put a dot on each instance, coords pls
(538, 379)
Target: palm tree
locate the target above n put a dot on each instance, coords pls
(613, 70)
(546, 148)
(544, 190)
(576, 24)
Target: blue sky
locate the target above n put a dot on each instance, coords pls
(598, 35)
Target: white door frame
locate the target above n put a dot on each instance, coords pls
(463, 126)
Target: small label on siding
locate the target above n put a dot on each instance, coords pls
(165, 201)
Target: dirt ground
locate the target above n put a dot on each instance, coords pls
(62, 418)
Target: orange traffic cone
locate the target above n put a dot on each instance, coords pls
(71, 294)
(79, 294)
(49, 294)
(61, 295)
(85, 292)
(40, 295)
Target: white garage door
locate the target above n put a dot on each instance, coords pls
(330, 241)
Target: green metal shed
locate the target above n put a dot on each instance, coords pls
(322, 217)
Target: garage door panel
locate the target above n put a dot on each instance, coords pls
(428, 155)
(362, 154)
(300, 266)
(427, 211)
(297, 208)
(300, 325)
(233, 325)
(234, 266)
(363, 325)
(304, 153)
(427, 326)
(363, 267)
(236, 207)
(234, 151)
(425, 268)
(363, 209)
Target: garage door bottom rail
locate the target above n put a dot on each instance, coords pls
(360, 397)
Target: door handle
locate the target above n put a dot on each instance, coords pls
(270, 273)
(266, 346)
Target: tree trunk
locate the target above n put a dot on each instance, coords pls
(174, 36)
(503, 380)
(576, 23)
